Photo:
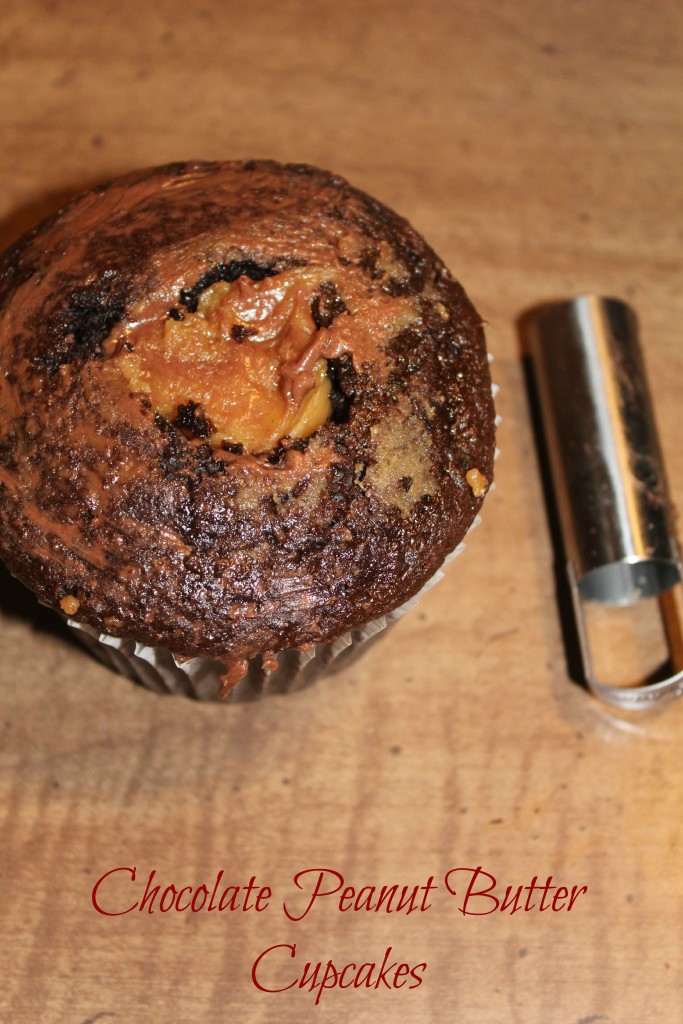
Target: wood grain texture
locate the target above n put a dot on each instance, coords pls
(538, 148)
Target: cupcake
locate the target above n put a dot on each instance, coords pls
(246, 416)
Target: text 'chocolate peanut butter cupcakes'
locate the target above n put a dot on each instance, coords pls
(245, 415)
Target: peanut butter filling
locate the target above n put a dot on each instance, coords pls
(248, 367)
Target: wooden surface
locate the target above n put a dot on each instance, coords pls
(538, 147)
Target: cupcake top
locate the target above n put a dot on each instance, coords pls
(244, 408)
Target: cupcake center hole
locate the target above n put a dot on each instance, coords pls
(243, 363)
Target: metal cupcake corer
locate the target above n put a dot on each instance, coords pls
(607, 471)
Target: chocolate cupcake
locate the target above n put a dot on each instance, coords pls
(246, 415)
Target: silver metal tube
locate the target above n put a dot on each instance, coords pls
(605, 458)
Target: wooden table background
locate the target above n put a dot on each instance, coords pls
(538, 147)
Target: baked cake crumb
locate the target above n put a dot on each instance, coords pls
(477, 481)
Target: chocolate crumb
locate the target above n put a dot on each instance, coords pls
(240, 332)
(327, 306)
(190, 417)
(234, 447)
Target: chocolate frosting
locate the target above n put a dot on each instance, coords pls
(149, 531)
